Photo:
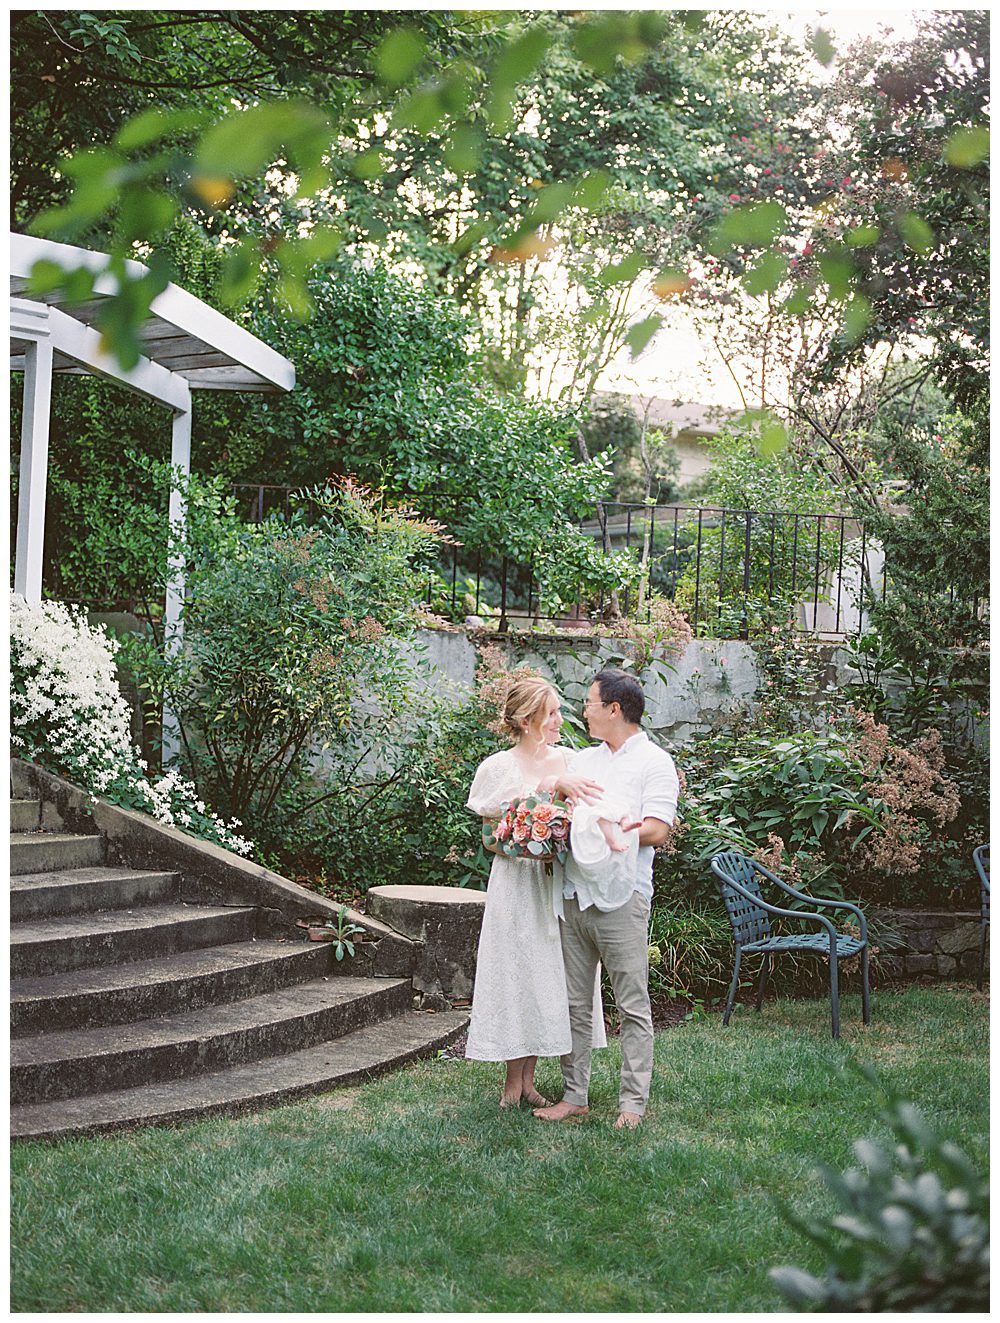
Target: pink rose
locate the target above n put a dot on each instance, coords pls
(502, 829)
(560, 829)
(521, 832)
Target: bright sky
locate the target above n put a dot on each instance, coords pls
(677, 365)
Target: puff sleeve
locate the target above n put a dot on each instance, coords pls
(492, 785)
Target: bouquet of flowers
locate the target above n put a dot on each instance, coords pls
(533, 827)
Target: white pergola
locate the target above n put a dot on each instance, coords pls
(187, 346)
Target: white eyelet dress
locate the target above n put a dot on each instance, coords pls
(519, 1003)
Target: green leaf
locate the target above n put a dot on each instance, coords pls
(623, 272)
(591, 190)
(246, 142)
(293, 292)
(399, 54)
(857, 318)
(798, 301)
(967, 147)
(517, 63)
(822, 46)
(550, 203)
(641, 334)
(602, 40)
(863, 236)
(773, 439)
(750, 227)
(145, 213)
(766, 275)
(150, 125)
(916, 233)
(369, 164)
(463, 151)
(837, 270)
(44, 277)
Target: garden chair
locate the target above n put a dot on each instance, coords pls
(981, 858)
(748, 913)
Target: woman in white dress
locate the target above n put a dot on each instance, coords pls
(519, 1004)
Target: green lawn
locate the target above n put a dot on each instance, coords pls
(414, 1193)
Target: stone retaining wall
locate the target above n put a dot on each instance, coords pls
(937, 943)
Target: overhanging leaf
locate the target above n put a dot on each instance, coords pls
(766, 275)
(967, 147)
(750, 227)
(916, 233)
(641, 334)
(398, 55)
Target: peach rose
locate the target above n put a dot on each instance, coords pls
(544, 813)
(522, 832)
(541, 831)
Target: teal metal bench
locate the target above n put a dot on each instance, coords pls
(749, 915)
(981, 858)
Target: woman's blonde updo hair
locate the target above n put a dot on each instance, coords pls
(526, 698)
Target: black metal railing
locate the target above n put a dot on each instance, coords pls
(731, 571)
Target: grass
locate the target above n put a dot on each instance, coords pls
(413, 1193)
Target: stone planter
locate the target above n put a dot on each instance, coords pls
(446, 922)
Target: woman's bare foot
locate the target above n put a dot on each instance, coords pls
(510, 1100)
(628, 1121)
(560, 1111)
(534, 1099)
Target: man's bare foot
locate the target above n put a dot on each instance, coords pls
(628, 1121)
(560, 1111)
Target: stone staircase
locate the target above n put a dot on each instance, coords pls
(132, 1005)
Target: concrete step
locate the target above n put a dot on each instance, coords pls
(53, 852)
(184, 981)
(25, 814)
(346, 1060)
(85, 890)
(46, 1067)
(53, 946)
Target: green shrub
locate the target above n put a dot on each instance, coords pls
(292, 634)
(913, 1236)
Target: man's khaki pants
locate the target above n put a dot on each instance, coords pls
(619, 939)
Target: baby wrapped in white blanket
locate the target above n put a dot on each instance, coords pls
(604, 844)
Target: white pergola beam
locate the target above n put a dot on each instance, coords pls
(83, 345)
(174, 305)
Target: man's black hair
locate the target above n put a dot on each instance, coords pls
(619, 687)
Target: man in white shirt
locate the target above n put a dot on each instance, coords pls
(611, 924)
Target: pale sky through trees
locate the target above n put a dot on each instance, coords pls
(677, 365)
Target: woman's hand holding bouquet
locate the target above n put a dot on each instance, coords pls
(533, 827)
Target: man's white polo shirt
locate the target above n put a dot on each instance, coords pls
(642, 774)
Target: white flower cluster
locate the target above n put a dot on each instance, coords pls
(68, 711)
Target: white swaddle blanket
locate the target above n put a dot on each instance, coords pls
(609, 874)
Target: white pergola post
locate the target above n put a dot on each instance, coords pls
(33, 471)
(180, 458)
(186, 345)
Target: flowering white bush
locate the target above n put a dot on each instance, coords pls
(68, 713)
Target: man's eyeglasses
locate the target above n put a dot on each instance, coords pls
(593, 702)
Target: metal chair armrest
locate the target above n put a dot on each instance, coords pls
(823, 901)
(775, 909)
